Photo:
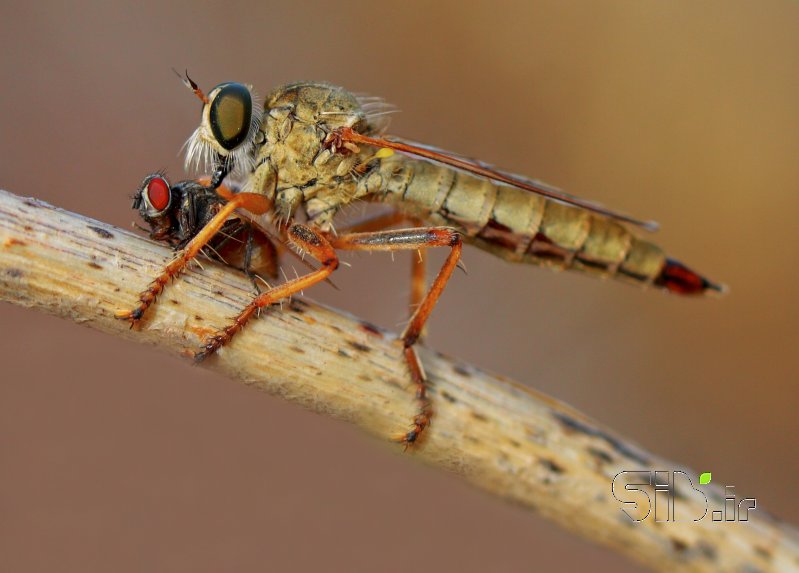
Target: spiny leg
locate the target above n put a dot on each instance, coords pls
(418, 260)
(249, 201)
(296, 234)
(414, 239)
(418, 278)
(308, 240)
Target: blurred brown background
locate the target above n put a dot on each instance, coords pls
(115, 457)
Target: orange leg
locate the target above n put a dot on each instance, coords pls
(414, 239)
(249, 201)
(418, 278)
(418, 261)
(311, 242)
(321, 246)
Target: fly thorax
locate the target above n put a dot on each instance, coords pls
(307, 173)
(298, 119)
(321, 213)
(287, 200)
(297, 152)
(323, 203)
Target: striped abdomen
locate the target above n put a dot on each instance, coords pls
(521, 226)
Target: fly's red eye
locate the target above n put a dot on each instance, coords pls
(158, 193)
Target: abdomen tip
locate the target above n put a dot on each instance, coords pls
(677, 278)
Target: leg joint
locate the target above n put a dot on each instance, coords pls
(410, 339)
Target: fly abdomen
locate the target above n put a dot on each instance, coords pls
(523, 227)
(520, 226)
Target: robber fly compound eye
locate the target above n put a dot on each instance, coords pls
(224, 141)
(230, 114)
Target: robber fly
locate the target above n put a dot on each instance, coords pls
(313, 148)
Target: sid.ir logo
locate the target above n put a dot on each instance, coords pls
(655, 494)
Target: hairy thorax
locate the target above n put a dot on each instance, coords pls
(293, 164)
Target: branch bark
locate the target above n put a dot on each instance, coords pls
(501, 436)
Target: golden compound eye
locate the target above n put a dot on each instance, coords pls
(230, 114)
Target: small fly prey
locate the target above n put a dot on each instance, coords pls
(176, 214)
(313, 148)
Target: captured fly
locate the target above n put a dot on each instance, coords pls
(176, 214)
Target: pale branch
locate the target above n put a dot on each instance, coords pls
(501, 436)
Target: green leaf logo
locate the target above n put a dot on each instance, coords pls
(704, 478)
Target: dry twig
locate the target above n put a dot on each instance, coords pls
(501, 436)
